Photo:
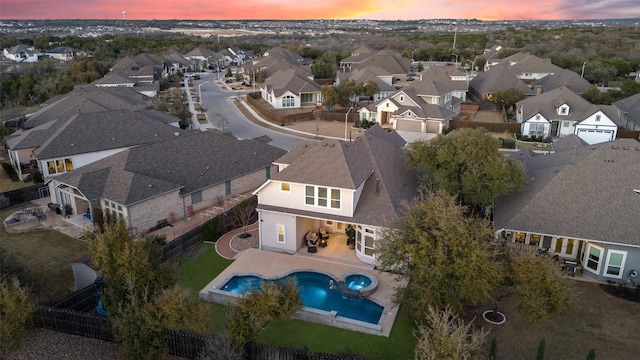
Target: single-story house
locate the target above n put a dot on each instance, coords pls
(561, 112)
(580, 203)
(173, 179)
(21, 53)
(291, 89)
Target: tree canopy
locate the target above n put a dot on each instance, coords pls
(443, 257)
(507, 98)
(466, 163)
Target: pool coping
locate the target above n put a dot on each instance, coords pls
(271, 265)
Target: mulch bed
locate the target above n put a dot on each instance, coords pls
(623, 292)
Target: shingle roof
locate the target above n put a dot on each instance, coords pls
(565, 78)
(85, 133)
(498, 78)
(388, 60)
(377, 158)
(20, 48)
(200, 51)
(290, 80)
(89, 98)
(547, 103)
(113, 78)
(582, 192)
(144, 172)
(630, 105)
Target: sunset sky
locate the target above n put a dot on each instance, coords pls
(319, 9)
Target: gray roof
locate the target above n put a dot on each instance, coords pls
(376, 158)
(444, 75)
(547, 103)
(87, 99)
(581, 192)
(429, 87)
(189, 162)
(85, 133)
(291, 80)
(388, 60)
(20, 48)
(498, 78)
(113, 78)
(630, 106)
(565, 78)
(203, 52)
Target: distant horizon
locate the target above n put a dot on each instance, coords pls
(265, 10)
(350, 19)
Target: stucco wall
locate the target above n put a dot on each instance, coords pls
(295, 199)
(268, 235)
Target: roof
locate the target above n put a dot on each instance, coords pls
(444, 75)
(631, 106)
(88, 99)
(565, 78)
(388, 60)
(113, 78)
(498, 78)
(290, 80)
(582, 192)
(376, 158)
(201, 52)
(78, 133)
(547, 103)
(20, 48)
(145, 172)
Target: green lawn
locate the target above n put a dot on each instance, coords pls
(197, 273)
(47, 253)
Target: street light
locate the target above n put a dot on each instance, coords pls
(583, 65)
(456, 55)
(346, 116)
(200, 90)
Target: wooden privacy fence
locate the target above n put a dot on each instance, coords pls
(255, 351)
(74, 322)
(492, 127)
(628, 134)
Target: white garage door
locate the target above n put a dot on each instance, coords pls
(409, 125)
(433, 127)
(595, 136)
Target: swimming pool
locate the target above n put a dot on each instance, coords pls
(318, 291)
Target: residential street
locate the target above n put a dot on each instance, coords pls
(219, 105)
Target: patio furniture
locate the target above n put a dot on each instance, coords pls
(312, 242)
(324, 236)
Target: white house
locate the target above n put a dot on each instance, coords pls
(291, 89)
(561, 112)
(333, 184)
(21, 53)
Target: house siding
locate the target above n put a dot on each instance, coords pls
(295, 199)
(632, 262)
(79, 160)
(268, 236)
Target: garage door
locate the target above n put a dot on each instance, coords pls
(433, 127)
(595, 136)
(409, 125)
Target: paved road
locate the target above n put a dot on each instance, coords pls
(219, 105)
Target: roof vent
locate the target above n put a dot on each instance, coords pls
(614, 146)
(168, 171)
(176, 133)
(625, 147)
(201, 174)
(113, 138)
(150, 185)
(207, 168)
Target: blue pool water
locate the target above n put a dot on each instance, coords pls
(316, 292)
(357, 282)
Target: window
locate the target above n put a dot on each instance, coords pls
(114, 211)
(288, 101)
(196, 197)
(60, 166)
(598, 117)
(309, 195)
(615, 263)
(565, 124)
(373, 116)
(592, 260)
(536, 129)
(368, 241)
(267, 171)
(534, 239)
(401, 98)
(286, 187)
(306, 98)
(280, 233)
(319, 196)
(435, 100)
(227, 187)
(563, 110)
(537, 116)
(520, 237)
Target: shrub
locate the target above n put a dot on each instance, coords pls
(524, 138)
(37, 177)
(508, 143)
(16, 308)
(11, 172)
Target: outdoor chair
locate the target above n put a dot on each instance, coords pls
(324, 236)
(312, 242)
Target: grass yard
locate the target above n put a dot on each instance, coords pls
(594, 319)
(47, 253)
(7, 184)
(197, 273)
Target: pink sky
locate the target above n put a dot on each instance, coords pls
(323, 9)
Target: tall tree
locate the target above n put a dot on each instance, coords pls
(443, 257)
(16, 307)
(507, 98)
(467, 163)
(324, 67)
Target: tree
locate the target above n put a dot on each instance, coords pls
(444, 258)
(244, 213)
(257, 307)
(541, 287)
(507, 98)
(445, 336)
(16, 308)
(220, 347)
(173, 102)
(369, 89)
(329, 95)
(324, 67)
(467, 163)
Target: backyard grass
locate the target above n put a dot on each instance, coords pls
(47, 253)
(6, 184)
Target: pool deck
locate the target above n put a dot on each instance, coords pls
(269, 264)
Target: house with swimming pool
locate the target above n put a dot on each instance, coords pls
(332, 184)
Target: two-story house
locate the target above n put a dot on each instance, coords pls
(425, 107)
(333, 184)
(562, 112)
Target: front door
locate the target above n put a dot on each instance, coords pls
(564, 247)
(554, 128)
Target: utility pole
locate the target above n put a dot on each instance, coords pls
(583, 65)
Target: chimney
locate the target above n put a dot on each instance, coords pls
(377, 187)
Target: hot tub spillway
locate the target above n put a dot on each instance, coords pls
(345, 290)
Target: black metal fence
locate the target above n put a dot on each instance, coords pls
(255, 351)
(24, 195)
(82, 300)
